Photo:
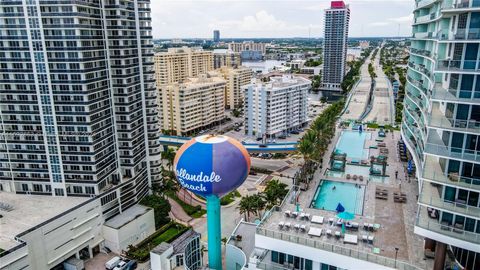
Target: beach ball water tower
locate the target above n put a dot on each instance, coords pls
(211, 166)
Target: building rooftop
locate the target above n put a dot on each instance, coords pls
(127, 216)
(178, 244)
(28, 211)
(243, 237)
(279, 82)
(394, 219)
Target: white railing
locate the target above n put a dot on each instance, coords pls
(452, 152)
(447, 229)
(357, 254)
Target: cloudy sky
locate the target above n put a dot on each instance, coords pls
(275, 18)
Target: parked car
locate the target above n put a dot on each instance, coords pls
(131, 265)
(282, 137)
(112, 263)
(262, 145)
(295, 132)
(259, 139)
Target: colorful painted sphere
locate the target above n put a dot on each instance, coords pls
(211, 165)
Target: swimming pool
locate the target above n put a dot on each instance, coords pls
(352, 143)
(352, 170)
(350, 196)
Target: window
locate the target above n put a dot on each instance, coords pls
(89, 190)
(59, 192)
(77, 189)
(37, 188)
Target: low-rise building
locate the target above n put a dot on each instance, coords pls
(276, 107)
(193, 105)
(235, 78)
(297, 64)
(226, 58)
(42, 232)
(185, 251)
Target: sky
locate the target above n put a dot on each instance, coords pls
(275, 18)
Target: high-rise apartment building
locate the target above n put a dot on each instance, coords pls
(337, 18)
(247, 46)
(236, 79)
(276, 107)
(178, 64)
(216, 35)
(226, 58)
(78, 100)
(193, 105)
(441, 127)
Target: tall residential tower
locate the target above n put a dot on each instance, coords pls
(337, 18)
(78, 100)
(441, 127)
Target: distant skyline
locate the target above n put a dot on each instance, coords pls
(275, 18)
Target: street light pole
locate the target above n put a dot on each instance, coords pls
(396, 253)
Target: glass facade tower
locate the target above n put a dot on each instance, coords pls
(441, 126)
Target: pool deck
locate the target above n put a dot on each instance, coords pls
(396, 219)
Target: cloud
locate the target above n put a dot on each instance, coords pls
(379, 23)
(404, 19)
(261, 21)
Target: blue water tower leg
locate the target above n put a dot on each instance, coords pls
(214, 233)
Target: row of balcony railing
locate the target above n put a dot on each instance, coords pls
(446, 228)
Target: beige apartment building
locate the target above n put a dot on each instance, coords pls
(226, 58)
(193, 105)
(247, 46)
(178, 64)
(235, 79)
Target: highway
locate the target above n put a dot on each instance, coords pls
(360, 92)
(382, 103)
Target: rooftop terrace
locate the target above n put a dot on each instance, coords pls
(389, 224)
(29, 211)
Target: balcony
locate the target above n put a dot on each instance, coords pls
(427, 18)
(424, 3)
(435, 146)
(421, 52)
(439, 120)
(433, 172)
(421, 69)
(430, 196)
(417, 83)
(424, 35)
(444, 228)
(464, 66)
(460, 34)
(460, 7)
(442, 94)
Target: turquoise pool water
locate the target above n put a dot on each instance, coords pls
(351, 169)
(352, 143)
(349, 195)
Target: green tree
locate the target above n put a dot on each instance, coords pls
(274, 192)
(169, 156)
(161, 208)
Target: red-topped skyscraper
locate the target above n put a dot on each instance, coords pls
(337, 18)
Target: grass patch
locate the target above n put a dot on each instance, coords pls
(168, 233)
(193, 211)
(260, 170)
(372, 125)
(229, 198)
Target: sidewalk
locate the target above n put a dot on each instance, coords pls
(177, 212)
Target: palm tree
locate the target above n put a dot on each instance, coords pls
(169, 156)
(274, 192)
(245, 207)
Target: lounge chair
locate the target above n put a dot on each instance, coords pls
(370, 239)
(296, 227)
(330, 221)
(303, 228)
(339, 222)
(337, 234)
(288, 225)
(365, 238)
(287, 213)
(281, 224)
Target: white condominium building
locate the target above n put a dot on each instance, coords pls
(226, 58)
(77, 98)
(195, 104)
(178, 64)
(337, 18)
(276, 107)
(236, 79)
(247, 46)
